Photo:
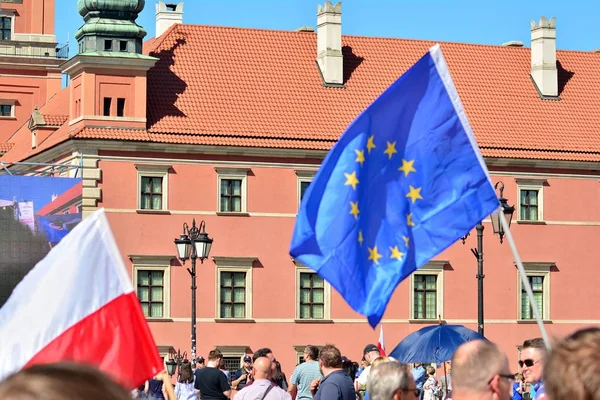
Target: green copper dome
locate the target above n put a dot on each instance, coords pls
(110, 26)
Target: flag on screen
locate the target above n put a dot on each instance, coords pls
(404, 182)
(381, 342)
(78, 304)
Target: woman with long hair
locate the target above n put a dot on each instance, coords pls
(279, 377)
(184, 389)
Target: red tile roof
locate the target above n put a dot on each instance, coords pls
(4, 147)
(261, 88)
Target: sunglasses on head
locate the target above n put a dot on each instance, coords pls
(528, 363)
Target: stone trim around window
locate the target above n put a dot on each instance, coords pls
(9, 102)
(154, 263)
(153, 170)
(535, 269)
(232, 173)
(301, 268)
(530, 184)
(234, 264)
(10, 13)
(432, 268)
(303, 176)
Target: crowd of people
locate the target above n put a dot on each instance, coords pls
(478, 370)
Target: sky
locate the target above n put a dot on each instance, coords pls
(471, 21)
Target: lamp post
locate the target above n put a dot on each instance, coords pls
(478, 252)
(174, 361)
(193, 244)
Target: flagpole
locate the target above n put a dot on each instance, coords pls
(526, 285)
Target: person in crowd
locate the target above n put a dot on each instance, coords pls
(446, 382)
(240, 378)
(517, 389)
(349, 367)
(392, 381)
(263, 352)
(335, 384)
(419, 375)
(262, 387)
(305, 373)
(210, 382)
(184, 388)
(532, 365)
(61, 381)
(375, 363)
(430, 387)
(155, 389)
(278, 377)
(223, 369)
(200, 363)
(572, 369)
(480, 372)
(370, 353)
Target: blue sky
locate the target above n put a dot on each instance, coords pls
(471, 21)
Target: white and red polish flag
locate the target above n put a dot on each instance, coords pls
(380, 342)
(78, 304)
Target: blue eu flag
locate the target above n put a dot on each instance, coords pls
(404, 182)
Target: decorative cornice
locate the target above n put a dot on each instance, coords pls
(234, 261)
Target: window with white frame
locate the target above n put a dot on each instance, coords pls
(305, 177)
(538, 276)
(232, 189)
(313, 295)
(152, 187)
(530, 206)
(427, 292)
(7, 108)
(152, 282)
(6, 26)
(234, 287)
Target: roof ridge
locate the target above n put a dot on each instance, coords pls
(542, 150)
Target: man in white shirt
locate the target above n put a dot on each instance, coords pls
(262, 387)
(371, 352)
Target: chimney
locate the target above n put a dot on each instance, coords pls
(543, 57)
(513, 43)
(168, 14)
(329, 43)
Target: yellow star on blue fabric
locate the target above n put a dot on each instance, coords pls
(396, 253)
(352, 180)
(360, 156)
(409, 220)
(414, 193)
(406, 241)
(354, 211)
(374, 255)
(360, 238)
(370, 144)
(407, 167)
(391, 149)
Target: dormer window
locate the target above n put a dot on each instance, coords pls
(123, 45)
(108, 45)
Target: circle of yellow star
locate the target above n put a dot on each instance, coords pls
(391, 149)
(360, 238)
(396, 253)
(409, 221)
(354, 211)
(370, 144)
(406, 240)
(374, 255)
(352, 180)
(414, 193)
(360, 156)
(407, 167)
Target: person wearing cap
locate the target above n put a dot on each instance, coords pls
(240, 378)
(370, 353)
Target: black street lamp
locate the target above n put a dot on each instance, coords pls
(174, 361)
(193, 243)
(478, 252)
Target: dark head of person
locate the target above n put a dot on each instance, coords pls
(330, 357)
(185, 372)
(312, 352)
(61, 381)
(263, 352)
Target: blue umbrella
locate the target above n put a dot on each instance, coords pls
(433, 344)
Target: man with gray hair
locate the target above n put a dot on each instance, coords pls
(480, 371)
(392, 381)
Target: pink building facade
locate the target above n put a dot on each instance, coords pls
(227, 140)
